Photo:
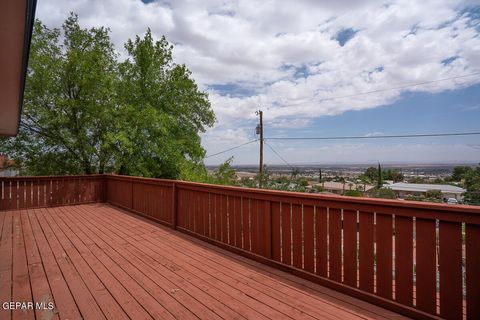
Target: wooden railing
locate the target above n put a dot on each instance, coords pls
(36, 192)
(415, 258)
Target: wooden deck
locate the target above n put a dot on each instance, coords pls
(95, 261)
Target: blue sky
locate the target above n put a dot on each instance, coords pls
(449, 111)
(294, 59)
(415, 113)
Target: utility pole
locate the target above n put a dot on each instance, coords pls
(260, 131)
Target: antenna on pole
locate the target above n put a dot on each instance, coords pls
(259, 130)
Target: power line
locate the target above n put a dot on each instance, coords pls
(390, 89)
(378, 137)
(230, 149)
(474, 146)
(278, 155)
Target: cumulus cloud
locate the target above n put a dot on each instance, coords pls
(300, 59)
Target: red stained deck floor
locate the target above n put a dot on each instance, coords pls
(98, 262)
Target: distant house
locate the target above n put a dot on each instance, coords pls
(403, 189)
(6, 167)
(340, 187)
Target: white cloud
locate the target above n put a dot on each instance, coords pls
(286, 54)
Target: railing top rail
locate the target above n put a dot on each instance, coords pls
(52, 177)
(277, 194)
(429, 206)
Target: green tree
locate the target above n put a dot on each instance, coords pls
(434, 194)
(86, 112)
(68, 102)
(171, 109)
(353, 193)
(393, 174)
(371, 173)
(460, 172)
(379, 177)
(472, 185)
(417, 180)
(385, 193)
(302, 182)
(225, 174)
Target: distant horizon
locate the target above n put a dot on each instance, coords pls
(386, 163)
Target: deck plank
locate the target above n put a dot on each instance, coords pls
(21, 280)
(98, 261)
(64, 303)
(6, 263)
(83, 298)
(38, 279)
(102, 296)
(118, 292)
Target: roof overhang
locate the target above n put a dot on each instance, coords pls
(16, 23)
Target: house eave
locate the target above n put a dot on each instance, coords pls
(16, 25)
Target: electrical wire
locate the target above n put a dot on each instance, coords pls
(230, 149)
(278, 155)
(474, 146)
(378, 137)
(389, 89)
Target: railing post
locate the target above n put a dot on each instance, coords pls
(174, 206)
(103, 188)
(131, 194)
(268, 229)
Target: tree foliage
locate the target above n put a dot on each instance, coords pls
(385, 193)
(353, 193)
(434, 194)
(86, 111)
(372, 174)
(459, 172)
(393, 174)
(472, 185)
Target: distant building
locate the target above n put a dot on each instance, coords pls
(403, 189)
(6, 167)
(243, 174)
(340, 187)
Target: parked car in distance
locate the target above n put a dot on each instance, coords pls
(452, 201)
